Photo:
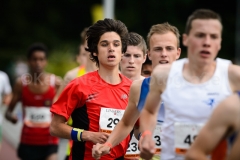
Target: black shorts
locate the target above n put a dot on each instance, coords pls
(34, 152)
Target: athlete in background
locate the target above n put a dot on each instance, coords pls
(5, 96)
(35, 90)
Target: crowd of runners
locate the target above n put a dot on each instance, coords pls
(130, 98)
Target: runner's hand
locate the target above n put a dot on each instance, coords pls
(147, 147)
(11, 117)
(95, 137)
(99, 150)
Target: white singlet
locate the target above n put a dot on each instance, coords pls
(188, 106)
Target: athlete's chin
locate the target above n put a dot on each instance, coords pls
(128, 74)
(111, 64)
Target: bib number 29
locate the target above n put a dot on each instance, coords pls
(112, 122)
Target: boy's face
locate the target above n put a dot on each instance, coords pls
(37, 62)
(163, 48)
(146, 70)
(204, 40)
(132, 61)
(109, 49)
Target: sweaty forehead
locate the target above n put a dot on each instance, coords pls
(163, 40)
(211, 26)
(110, 37)
(134, 50)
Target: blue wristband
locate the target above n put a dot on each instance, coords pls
(81, 136)
(76, 134)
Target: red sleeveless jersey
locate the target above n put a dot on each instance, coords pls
(83, 99)
(37, 117)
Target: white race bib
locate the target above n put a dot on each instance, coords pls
(157, 137)
(132, 151)
(185, 133)
(109, 118)
(37, 116)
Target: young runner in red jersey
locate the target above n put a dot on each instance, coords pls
(96, 101)
(36, 91)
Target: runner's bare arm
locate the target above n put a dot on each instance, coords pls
(16, 95)
(218, 127)
(130, 116)
(148, 116)
(234, 152)
(151, 107)
(58, 82)
(7, 92)
(58, 85)
(59, 128)
(234, 77)
(66, 79)
(136, 132)
(7, 99)
(63, 108)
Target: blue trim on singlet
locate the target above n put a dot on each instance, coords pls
(143, 95)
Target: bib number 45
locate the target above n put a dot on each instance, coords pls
(185, 134)
(190, 139)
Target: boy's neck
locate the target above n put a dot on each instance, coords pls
(110, 74)
(91, 66)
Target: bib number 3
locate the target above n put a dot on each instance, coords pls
(157, 137)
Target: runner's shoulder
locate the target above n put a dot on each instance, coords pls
(71, 74)
(86, 80)
(136, 87)
(57, 79)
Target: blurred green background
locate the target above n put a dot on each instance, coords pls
(58, 24)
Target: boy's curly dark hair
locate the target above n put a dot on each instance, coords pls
(95, 31)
